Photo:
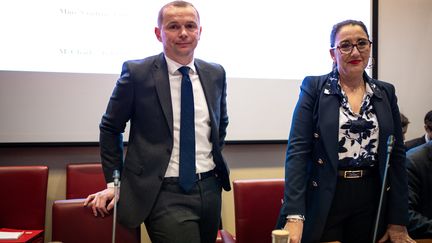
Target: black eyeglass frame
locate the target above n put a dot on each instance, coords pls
(352, 47)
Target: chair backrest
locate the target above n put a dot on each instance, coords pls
(23, 192)
(71, 222)
(257, 203)
(84, 179)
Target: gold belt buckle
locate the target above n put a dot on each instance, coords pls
(351, 174)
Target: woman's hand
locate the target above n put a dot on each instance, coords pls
(295, 230)
(396, 234)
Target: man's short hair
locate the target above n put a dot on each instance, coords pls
(428, 120)
(404, 120)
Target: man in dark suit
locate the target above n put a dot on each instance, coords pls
(419, 168)
(425, 138)
(150, 94)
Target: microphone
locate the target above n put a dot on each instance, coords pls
(116, 177)
(390, 143)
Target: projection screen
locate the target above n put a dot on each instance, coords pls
(60, 59)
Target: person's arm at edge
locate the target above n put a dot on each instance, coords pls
(111, 128)
(298, 153)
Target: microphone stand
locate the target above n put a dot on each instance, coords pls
(390, 142)
(116, 176)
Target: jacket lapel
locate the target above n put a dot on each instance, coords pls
(210, 93)
(208, 89)
(328, 120)
(384, 115)
(161, 79)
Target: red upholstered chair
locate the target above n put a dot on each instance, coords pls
(84, 179)
(73, 223)
(23, 191)
(256, 203)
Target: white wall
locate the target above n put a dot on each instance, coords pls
(405, 56)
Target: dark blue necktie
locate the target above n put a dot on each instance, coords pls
(187, 133)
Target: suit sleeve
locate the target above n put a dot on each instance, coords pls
(223, 124)
(418, 224)
(299, 150)
(398, 193)
(113, 124)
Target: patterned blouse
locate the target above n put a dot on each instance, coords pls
(358, 133)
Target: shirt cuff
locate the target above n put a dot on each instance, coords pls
(296, 217)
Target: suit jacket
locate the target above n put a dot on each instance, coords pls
(415, 142)
(420, 191)
(142, 96)
(312, 156)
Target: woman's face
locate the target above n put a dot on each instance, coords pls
(354, 62)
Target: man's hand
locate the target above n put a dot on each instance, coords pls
(99, 200)
(295, 230)
(396, 234)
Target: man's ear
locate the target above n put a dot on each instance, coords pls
(158, 33)
(200, 31)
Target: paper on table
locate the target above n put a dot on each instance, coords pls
(10, 235)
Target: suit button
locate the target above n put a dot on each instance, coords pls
(316, 135)
(320, 161)
(314, 184)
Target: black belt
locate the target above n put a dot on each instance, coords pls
(353, 174)
(199, 176)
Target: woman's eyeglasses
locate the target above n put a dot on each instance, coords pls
(347, 47)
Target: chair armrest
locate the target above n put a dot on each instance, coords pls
(226, 237)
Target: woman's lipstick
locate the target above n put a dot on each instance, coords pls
(354, 62)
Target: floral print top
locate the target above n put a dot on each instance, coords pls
(358, 133)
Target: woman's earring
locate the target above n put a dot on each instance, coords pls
(371, 63)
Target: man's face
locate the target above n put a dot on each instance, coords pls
(179, 33)
(428, 128)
